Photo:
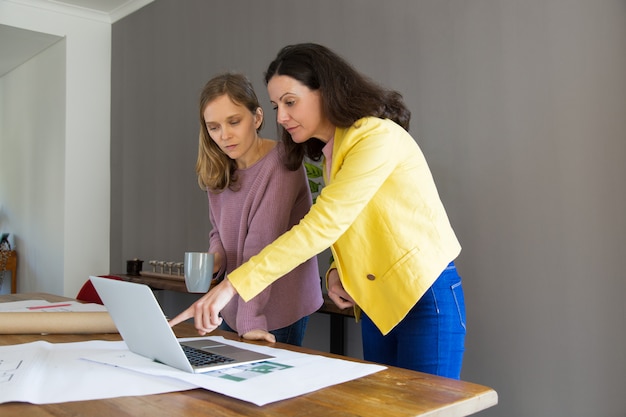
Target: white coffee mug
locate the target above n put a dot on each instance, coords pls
(198, 271)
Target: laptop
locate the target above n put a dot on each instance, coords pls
(143, 326)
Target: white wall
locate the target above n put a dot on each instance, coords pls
(72, 240)
(32, 169)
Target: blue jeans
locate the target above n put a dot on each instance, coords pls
(431, 338)
(292, 334)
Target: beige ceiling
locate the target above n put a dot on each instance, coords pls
(102, 6)
(19, 45)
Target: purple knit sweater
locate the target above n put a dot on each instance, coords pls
(270, 201)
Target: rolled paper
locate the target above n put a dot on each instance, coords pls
(68, 322)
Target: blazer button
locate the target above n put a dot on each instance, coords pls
(371, 277)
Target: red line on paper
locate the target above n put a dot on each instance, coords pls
(49, 306)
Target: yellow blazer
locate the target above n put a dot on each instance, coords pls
(380, 213)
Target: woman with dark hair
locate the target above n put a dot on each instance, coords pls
(253, 199)
(392, 243)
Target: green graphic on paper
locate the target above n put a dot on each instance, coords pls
(248, 371)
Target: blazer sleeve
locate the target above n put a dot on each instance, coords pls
(362, 161)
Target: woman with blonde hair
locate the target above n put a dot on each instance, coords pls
(253, 199)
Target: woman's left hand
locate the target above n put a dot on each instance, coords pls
(336, 292)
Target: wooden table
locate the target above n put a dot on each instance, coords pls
(392, 392)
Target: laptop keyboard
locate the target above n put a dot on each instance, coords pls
(199, 357)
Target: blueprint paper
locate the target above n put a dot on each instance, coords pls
(65, 317)
(46, 373)
(288, 375)
(41, 306)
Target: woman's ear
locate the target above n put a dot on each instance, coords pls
(258, 118)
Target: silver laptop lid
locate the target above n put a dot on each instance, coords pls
(141, 322)
(143, 326)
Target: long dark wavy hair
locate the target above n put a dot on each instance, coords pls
(346, 94)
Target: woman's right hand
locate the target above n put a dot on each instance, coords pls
(206, 311)
(336, 292)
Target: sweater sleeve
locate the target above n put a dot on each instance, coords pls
(215, 243)
(281, 197)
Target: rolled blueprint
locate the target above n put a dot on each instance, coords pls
(66, 322)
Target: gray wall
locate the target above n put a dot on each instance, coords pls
(519, 108)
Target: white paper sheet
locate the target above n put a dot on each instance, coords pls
(288, 375)
(46, 373)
